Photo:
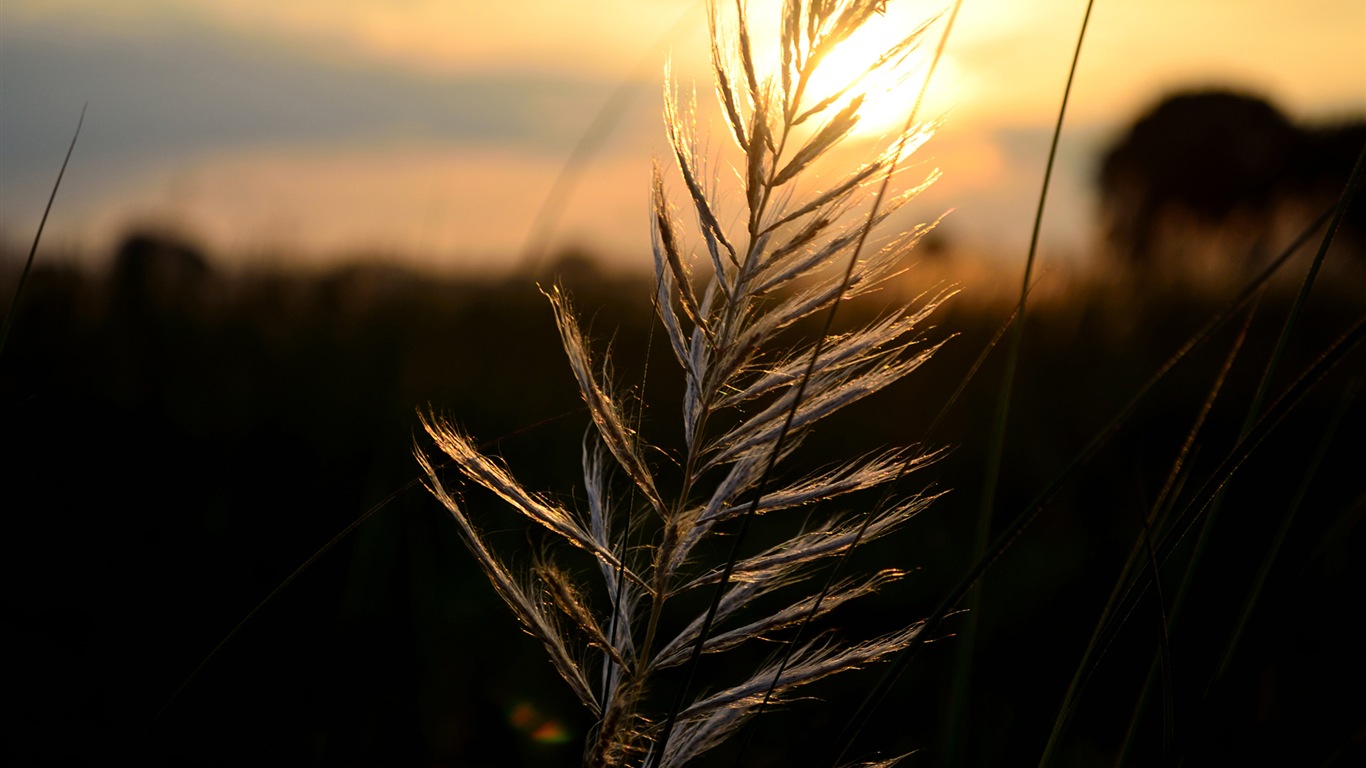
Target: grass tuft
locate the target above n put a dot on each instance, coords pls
(754, 389)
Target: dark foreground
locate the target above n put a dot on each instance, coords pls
(177, 445)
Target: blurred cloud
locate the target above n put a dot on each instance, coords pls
(274, 122)
(190, 93)
(600, 36)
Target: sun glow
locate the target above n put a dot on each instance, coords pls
(890, 92)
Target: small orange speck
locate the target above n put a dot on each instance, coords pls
(550, 732)
(523, 717)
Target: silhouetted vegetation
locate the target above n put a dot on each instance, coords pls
(179, 441)
(1221, 175)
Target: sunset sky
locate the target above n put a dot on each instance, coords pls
(431, 132)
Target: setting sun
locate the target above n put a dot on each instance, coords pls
(889, 92)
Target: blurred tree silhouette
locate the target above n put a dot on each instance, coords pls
(1226, 171)
(158, 269)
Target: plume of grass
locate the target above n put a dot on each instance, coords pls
(753, 387)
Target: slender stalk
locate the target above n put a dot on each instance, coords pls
(38, 236)
(957, 726)
(1143, 545)
(1273, 364)
(1214, 487)
(1031, 511)
(1287, 520)
(585, 149)
(1263, 389)
(270, 597)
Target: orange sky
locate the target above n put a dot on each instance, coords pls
(483, 102)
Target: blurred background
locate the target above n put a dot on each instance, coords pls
(432, 133)
(287, 226)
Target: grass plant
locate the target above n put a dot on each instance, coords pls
(754, 389)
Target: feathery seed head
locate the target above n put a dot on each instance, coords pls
(752, 393)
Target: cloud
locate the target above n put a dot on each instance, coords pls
(166, 100)
(170, 96)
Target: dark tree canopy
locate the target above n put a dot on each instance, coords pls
(1216, 160)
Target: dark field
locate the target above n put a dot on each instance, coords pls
(179, 442)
